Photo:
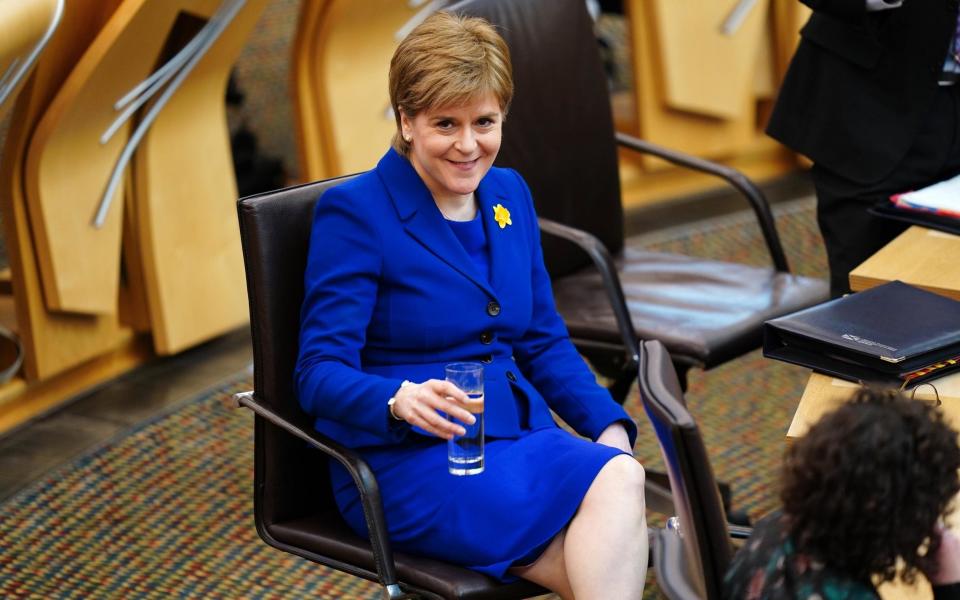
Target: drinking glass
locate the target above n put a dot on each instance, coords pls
(465, 452)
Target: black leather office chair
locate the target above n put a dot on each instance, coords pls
(294, 506)
(692, 553)
(559, 135)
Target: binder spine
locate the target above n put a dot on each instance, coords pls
(950, 362)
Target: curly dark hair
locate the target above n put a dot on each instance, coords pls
(868, 483)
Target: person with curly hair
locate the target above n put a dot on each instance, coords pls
(870, 483)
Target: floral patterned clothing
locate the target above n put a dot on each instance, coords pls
(769, 567)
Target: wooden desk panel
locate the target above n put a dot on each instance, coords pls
(22, 26)
(922, 257)
(340, 64)
(185, 204)
(53, 342)
(705, 71)
(68, 167)
(701, 134)
(824, 393)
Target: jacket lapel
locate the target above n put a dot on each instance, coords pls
(422, 219)
(502, 241)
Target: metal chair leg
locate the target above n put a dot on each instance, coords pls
(394, 592)
(621, 386)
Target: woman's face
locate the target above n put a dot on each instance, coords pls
(453, 147)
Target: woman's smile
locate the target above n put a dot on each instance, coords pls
(463, 165)
(453, 147)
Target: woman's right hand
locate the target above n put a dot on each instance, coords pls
(418, 404)
(948, 558)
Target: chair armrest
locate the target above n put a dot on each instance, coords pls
(670, 564)
(738, 180)
(602, 260)
(739, 532)
(363, 477)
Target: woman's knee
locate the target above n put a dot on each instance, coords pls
(627, 470)
(622, 477)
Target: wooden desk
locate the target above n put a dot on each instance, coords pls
(922, 257)
(824, 393)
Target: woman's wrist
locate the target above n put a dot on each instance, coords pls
(615, 435)
(392, 402)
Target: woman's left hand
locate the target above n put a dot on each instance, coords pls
(616, 436)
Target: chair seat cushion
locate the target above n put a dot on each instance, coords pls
(705, 310)
(327, 538)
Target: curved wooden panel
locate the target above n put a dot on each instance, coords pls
(313, 143)
(68, 167)
(704, 70)
(658, 122)
(185, 205)
(788, 17)
(23, 25)
(52, 342)
(341, 60)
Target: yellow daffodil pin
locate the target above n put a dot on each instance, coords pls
(502, 216)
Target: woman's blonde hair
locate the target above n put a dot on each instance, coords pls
(448, 59)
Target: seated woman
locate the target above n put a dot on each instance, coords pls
(870, 482)
(434, 257)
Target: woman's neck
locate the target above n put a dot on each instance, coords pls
(457, 208)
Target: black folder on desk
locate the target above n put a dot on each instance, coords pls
(893, 333)
(914, 217)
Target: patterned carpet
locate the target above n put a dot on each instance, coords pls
(165, 510)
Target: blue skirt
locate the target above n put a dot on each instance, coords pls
(530, 489)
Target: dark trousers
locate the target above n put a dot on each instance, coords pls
(850, 233)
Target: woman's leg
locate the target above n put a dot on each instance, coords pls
(549, 569)
(603, 551)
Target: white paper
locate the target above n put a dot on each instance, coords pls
(944, 196)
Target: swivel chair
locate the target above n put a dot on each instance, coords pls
(294, 507)
(559, 135)
(692, 553)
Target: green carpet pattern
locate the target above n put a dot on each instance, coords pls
(166, 509)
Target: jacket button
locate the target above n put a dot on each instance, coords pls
(493, 308)
(486, 359)
(511, 376)
(486, 337)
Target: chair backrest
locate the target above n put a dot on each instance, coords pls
(559, 131)
(275, 236)
(703, 525)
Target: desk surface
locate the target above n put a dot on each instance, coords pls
(824, 393)
(922, 257)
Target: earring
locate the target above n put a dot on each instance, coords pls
(406, 138)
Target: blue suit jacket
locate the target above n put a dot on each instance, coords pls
(391, 294)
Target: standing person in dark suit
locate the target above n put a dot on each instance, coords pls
(871, 97)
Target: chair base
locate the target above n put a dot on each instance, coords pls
(326, 539)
